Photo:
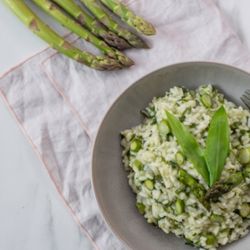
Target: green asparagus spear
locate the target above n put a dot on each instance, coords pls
(92, 24)
(53, 10)
(179, 158)
(129, 17)
(56, 41)
(103, 17)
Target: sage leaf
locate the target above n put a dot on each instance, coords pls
(190, 147)
(217, 144)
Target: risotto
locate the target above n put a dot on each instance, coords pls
(170, 192)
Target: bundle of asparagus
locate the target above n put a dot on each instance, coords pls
(106, 34)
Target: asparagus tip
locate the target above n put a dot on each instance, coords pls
(106, 63)
(126, 61)
(144, 27)
(144, 45)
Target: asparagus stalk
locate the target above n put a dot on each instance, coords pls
(129, 17)
(53, 10)
(96, 9)
(43, 31)
(92, 24)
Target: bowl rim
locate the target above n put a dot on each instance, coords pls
(105, 218)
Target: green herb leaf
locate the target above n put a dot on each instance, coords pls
(217, 144)
(189, 145)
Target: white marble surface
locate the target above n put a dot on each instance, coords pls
(32, 214)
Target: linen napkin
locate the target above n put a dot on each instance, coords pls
(59, 103)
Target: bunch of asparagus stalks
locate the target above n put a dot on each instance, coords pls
(98, 28)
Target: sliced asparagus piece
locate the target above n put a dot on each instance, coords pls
(149, 112)
(163, 128)
(140, 207)
(211, 239)
(92, 24)
(135, 145)
(129, 17)
(96, 9)
(206, 100)
(53, 10)
(245, 210)
(179, 207)
(137, 165)
(56, 41)
(246, 171)
(149, 184)
(244, 156)
(217, 218)
(196, 188)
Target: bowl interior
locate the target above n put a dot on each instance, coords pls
(115, 198)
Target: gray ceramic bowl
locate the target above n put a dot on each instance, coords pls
(114, 196)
